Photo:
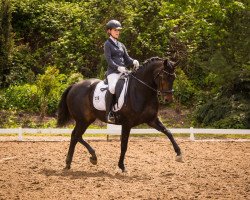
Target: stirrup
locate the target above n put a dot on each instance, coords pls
(110, 118)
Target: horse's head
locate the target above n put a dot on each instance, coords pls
(164, 78)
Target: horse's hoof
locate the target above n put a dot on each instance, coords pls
(93, 160)
(179, 158)
(119, 171)
(67, 167)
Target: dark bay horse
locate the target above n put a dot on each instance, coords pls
(155, 76)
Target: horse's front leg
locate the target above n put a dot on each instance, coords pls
(124, 144)
(157, 124)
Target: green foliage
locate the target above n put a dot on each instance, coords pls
(211, 38)
(212, 111)
(9, 119)
(42, 97)
(184, 90)
(74, 78)
(6, 40)
(23, 97)
(50, 86)
(21, 68)
(223, 113)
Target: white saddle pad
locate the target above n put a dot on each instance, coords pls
(99, 96)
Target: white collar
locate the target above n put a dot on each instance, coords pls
(114, 40)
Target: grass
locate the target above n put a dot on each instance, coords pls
(222, 136)
(176, 135)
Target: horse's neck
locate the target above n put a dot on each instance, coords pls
(144, 82)
(140, 94)
(146, 74)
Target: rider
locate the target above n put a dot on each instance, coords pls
(118, 59)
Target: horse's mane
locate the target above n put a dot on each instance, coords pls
(147, 63)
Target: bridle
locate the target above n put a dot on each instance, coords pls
(159, 92)
(162, 91)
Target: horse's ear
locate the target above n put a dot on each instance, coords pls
(166, 63)
(170, 64)
(176, 64)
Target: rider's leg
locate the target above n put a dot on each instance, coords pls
(112, 80)
(109, 102)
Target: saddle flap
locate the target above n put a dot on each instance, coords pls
(120, 93)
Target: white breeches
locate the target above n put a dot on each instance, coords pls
(112, 80)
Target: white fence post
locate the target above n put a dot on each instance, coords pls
(192, 138)
(20, 134)
(113, 129)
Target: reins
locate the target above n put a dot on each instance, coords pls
(159, 92)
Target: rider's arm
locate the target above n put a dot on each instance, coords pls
(127, 59)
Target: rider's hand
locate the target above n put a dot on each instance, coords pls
(122, 69)
(136, 64)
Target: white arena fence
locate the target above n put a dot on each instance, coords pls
(116, 130)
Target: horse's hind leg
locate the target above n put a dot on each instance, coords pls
(79, 129)
(93, 158)
(71, 150)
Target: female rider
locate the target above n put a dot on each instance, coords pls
(118, 59)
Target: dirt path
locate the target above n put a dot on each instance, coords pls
(212, 170)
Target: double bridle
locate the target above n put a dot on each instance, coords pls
(159, 92)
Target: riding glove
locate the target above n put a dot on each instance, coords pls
(122, 69)
(136, 64)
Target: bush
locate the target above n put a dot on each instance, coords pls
(43, 96)
(22, 66)
(74, 78)
(212, 111)
(223, 113)
(184, 90)
(22, 97)
(2, 100)
(234, 121)
(50, 85)
(9, 119)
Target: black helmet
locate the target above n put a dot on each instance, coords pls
(113, 24)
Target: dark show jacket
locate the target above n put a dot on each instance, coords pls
(116, 56)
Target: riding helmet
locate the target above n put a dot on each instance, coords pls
(113, 24)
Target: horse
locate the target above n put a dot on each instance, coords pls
(155, 76)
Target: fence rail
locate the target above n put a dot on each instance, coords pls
(116, 130)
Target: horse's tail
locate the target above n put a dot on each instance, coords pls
(63, 111)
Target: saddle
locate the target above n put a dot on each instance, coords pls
(120, 94)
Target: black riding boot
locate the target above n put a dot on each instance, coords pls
(109, 101)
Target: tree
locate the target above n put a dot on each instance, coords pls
(6, 41)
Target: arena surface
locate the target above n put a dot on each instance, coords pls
(212, 170)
